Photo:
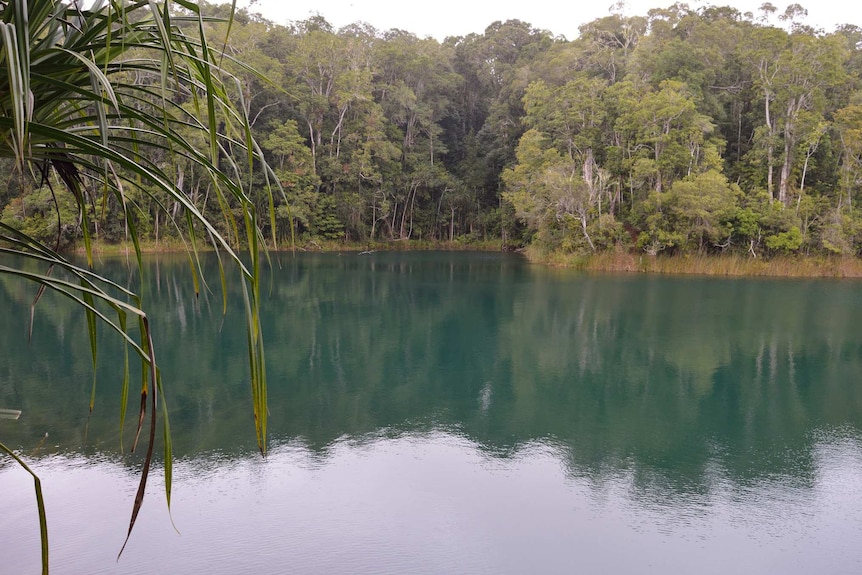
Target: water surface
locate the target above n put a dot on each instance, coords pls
(453, 412)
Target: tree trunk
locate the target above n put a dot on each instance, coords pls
(589, 163)
(770, 152)
(452, 226)
(373, 215)
(784, 184)
(583, 218)
(313, 147)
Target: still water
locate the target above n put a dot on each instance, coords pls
(451, 413)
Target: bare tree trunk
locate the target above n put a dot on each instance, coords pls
(404, 217)
(412, 203)
(333, 143)
(804, 172)
(784, 184)
(452, 226)
(589, 164)
(770, 152)
(373, 214)
(313, 147)
(583, 218)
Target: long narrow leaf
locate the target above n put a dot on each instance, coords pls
(92, 333)
(148, 458)
(124, 388)
(40, 505)
(94, 126)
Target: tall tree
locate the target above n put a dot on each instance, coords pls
(573, 115)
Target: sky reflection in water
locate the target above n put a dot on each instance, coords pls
(432, 503)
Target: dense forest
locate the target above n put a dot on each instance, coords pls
(686, 129)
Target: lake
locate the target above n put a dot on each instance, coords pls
(450, 413)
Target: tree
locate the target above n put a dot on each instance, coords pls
(416, 81)
(810, 67)
(573, 115)
(294, 167)
(696, 211)
(794, 72)
(609, 42)
(549, 193)
(848, 121)
(76, 120)
(669, 134)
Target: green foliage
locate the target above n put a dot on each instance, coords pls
(842, 232)
(696, 213)
(46, 216)
(324, 222)
(409, 136)
(746, 229)
(789, 241)
(550, 196)
(608, 233)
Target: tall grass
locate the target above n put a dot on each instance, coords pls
(712, 265)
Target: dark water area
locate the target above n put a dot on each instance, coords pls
(449, 413)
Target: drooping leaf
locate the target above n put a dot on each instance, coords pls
(40, 506)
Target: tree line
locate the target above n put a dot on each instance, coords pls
(686, 129)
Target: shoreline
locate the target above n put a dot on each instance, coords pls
(730, 265)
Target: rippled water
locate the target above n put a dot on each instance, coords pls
(456, 413)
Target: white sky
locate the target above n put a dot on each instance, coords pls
(441, 18)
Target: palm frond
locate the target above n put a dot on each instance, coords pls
(111, 97)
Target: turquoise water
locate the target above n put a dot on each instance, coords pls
(452, 413)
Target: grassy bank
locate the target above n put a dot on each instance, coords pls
(398, 245)
(127, 248)
(616, 261)
(172, 245)
(716, 265)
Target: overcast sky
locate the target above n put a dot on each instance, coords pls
(441, 18)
